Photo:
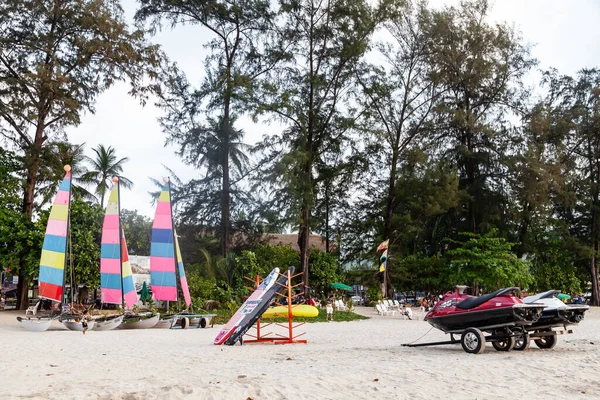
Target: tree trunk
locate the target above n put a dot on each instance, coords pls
(389, 212)
(327, 217)
(594, 275)
(225, 215)
(303, 237)
(28, 201)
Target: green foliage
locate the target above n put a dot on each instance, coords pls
(486, 261)
(21, 239)
(281, 256)
(324, 269)
(85, 234)
(374, 293)
(200, 287)
(554, 266)
(429, 274)
(138, 232)
(104, 167)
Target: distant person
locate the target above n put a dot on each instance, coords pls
(84, 321)
(329, 310)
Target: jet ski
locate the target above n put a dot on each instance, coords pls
(556, 312)
(555, 315)
(457, 311)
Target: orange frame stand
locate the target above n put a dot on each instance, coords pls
(290, 337)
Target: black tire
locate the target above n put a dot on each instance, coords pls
(522, 342)
(203, 323)
(506, 344)
(546, 342)
(184, 322)
(472, 341)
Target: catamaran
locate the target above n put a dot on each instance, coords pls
(53, 259)
(165, 255)
(116, 278)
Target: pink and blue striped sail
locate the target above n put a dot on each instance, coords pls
(162, 250)
(184, 285)
(129, 293)
(110, 251)
(52, 262)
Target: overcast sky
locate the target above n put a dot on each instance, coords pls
(564, 35)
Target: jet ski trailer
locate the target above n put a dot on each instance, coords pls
(500, 314)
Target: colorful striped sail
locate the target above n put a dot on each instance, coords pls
(162, 254)
(110, 251)
(184, 285)
(129, 293)
(52, 262)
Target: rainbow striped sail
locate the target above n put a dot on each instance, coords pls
(182, 278)
(116, 277)
(129, 293)
(162, 254)
(110, 251)
(52, 262)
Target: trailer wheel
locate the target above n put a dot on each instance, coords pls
(546, 342)
(184, 322)
(472, 341)
(522, 342)
(506, 344)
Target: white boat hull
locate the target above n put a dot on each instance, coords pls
(143, 324)
(164, 324)
(35, 324)
(108, 324)
(77, 326)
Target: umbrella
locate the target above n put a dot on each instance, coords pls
(338, 285)
(562, 296)
(144, 295)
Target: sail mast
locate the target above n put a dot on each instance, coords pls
(185, 290)
(67, 169)
(121, 233)
(174, 241)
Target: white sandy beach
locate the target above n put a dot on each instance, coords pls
(348, 360)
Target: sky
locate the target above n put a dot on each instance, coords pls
(563, 35)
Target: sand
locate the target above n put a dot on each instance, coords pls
(342, 360)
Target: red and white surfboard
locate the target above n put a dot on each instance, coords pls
(243, 315)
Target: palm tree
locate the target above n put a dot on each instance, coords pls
(104, 166)
(56, 155)
(222, 154)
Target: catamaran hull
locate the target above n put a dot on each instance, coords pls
(164, 323)
(143, 324)
(77, 326)
(108, 324)
(36, 324)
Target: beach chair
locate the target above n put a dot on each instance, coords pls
(381, 310)
(388, 310)
(340, 306)
(390, 305)
(32, 310)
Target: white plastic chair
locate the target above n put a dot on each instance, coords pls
(32, 309)
(388, 309)
(383, 311)
(339, 305)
